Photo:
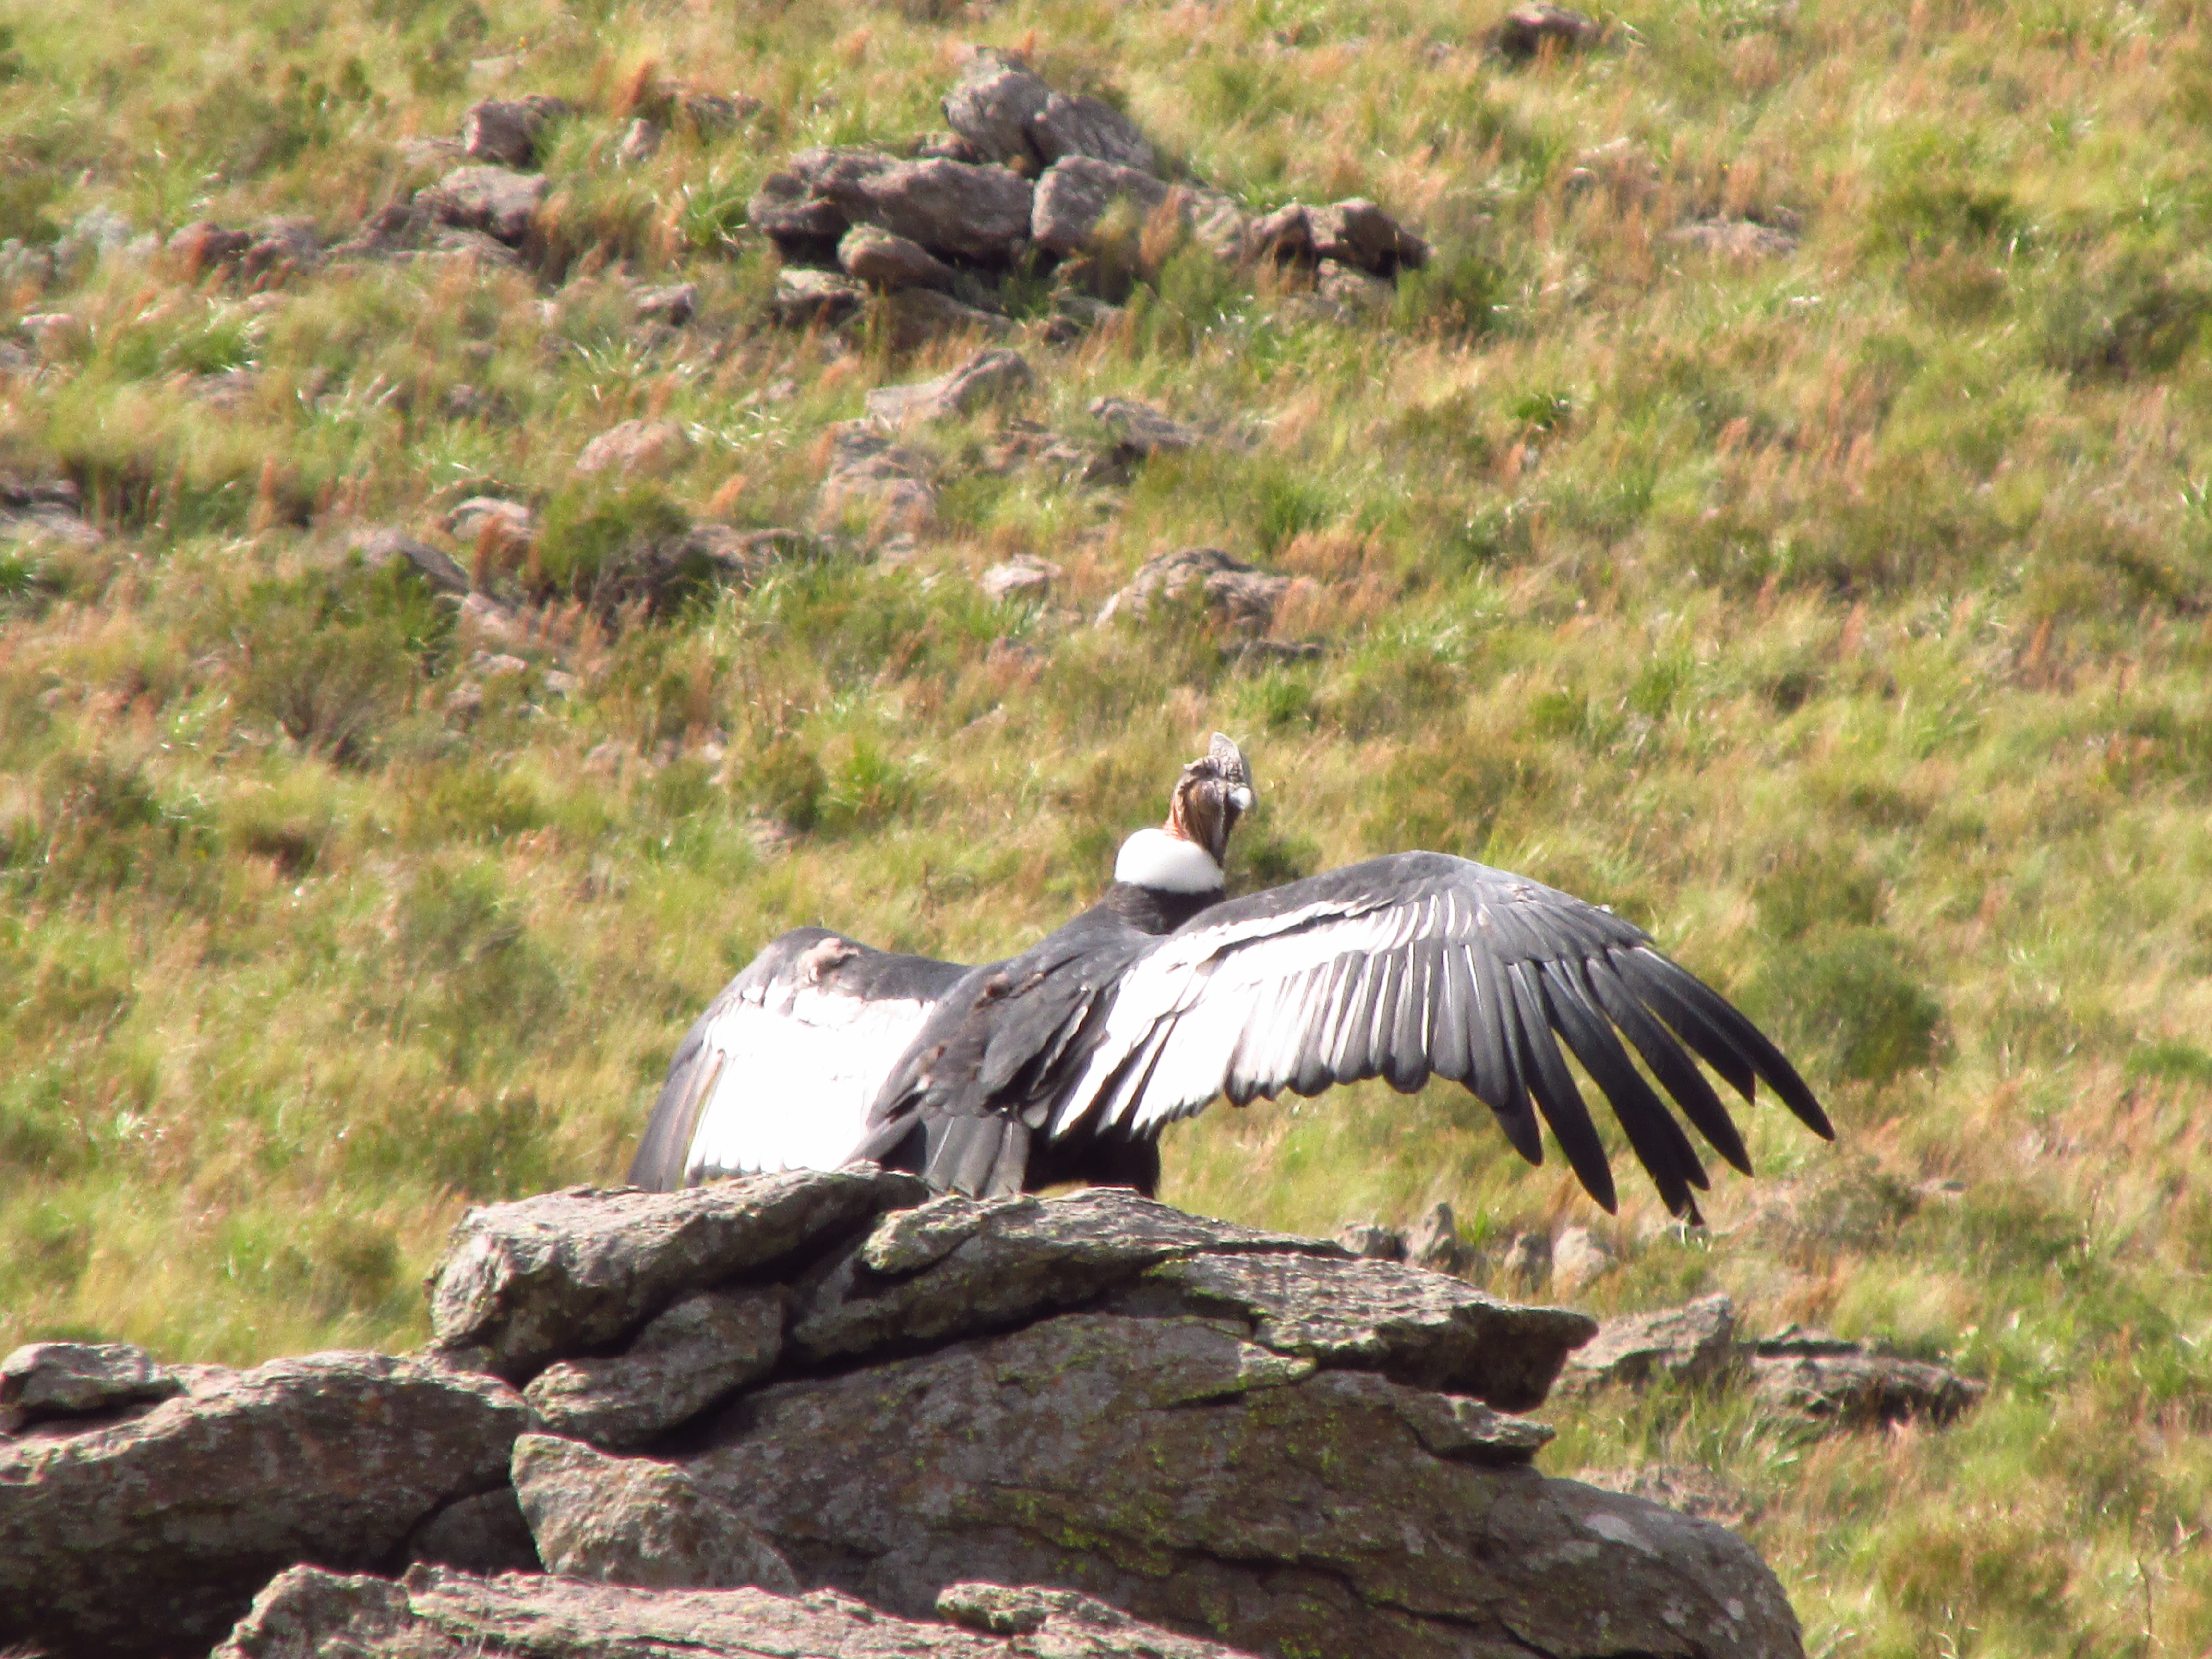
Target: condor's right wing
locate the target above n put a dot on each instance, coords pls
(778, 1073)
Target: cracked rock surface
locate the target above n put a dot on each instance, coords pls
(149, 1533)
(437, 1613)
(1189, 1476)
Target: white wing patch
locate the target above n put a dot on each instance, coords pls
(788, 1086)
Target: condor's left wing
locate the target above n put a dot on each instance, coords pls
(778, 1073)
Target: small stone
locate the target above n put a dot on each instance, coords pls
(1434, 1243)
(716, 115)
(634, 1521)
(1691, 1344)
(506, 523)
(640, 143)
(1140, 431)
(1023, 580)
(701, 1350)
(505, 132)
(280, 247)
(496, 665)
(1578, 1256)
(988, 377)
(560, 683)
(494, 200)
(1239, 596)
(636, 448)
(1530, 28)
(69, 1379)
(873, 477)
(1812, 1374)
(675, 305)
(1075, 195)
(810, 298)
(875, 257)
(993, 107)
(1529, 1261)
(921, 316)
(1088, 127)
(1372, 1240)
(1349, 294)
(1696, 1492)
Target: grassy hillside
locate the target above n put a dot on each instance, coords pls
(1837, 613)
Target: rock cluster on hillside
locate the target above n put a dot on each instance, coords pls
(1027, 171)
(719, 1416)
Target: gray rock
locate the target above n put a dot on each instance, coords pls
(281, 246)
(1372, 1240)
(435, 1612)
(505, 132)
(632, 1520)
(745, 556)
(494, 200)
(1218, 223)
(674, 305)
(872, 478)
(1812, 1374)
(1434, 1243)
(1141, 431)
(380, 546)
(1239, 596)
(986, 378)
(1531, 27)
(485, 1532)
(1075, 194)
(1579, 1256)
(918, 316)
(1528, 1260)
(954, 1266)
(1414, 1327)
(150, 1534)
(950, 207)
(508, 523)
(872, 255)
(1694, 1343)
(794, 207)
(716, 115)
(1189, 1476)
(640, 143)
(992, 107)
(524, 1282)
(1349, 295)
(1069, 126)
(804, 299)
(635, 449)
(72, 1379)
(707, 1346)
(1023, 579)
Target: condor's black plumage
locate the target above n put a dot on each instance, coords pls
(1066, 1062)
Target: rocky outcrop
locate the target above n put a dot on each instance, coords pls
(1693, 1343)
(45, 1380)
(524, 1283)
(147, 1532)
(1237, 595)
(634, 448)
(499, 203)
(830, 1382)
(985, 378)
(1830, 1380)
(1187, 1475)
(437, 1613)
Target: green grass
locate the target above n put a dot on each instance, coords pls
(1842, 618)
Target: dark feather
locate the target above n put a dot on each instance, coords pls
(1677, 1072)
(1554, 1086)
(1664, 1151)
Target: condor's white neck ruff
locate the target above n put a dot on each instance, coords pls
(1167, 863)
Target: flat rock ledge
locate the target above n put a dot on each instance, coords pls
(434, 1612)
(827, 1413)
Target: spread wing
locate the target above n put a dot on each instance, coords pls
(779, 1072)
(1418, 963)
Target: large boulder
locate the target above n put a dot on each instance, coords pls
(494, 200)
(522, 1284)
(1075, 195)
(954, 209)
(993, 104)
(707, 1346)
(1188, 1475)
(149, 1533)
(984, 378)
(437, 1613)
(1239, 596)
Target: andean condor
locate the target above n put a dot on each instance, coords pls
(1066, 1062)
